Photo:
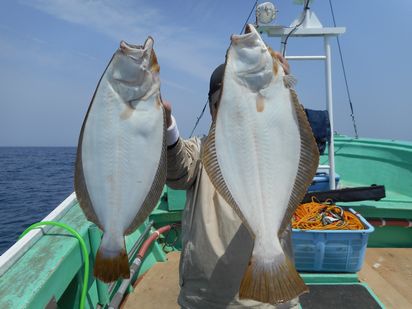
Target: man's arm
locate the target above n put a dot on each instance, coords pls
(183, 156)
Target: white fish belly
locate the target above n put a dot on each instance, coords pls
(258, 154)
(121, 152)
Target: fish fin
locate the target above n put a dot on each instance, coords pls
(273, 283)
(275, 60)
(157, 186)
(111, 264)
(308, 162)
(289, 81)
(155, 67)
(82, 194)
(211, 165)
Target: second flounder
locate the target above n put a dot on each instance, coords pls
(261, 156)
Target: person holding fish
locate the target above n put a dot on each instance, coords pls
(227, 260)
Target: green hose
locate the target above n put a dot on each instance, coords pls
(82, 245)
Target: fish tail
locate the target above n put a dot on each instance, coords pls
(274, 282)
(111, 261)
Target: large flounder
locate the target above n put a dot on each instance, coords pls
(261, 156)
(121, 156)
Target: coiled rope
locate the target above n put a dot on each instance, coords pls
(324, 216)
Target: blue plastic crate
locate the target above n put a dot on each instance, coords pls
(321, 182)
(331, 251)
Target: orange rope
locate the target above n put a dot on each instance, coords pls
(309, 216)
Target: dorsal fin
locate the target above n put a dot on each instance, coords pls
(211, 165)
(289, 81)
(308, 162)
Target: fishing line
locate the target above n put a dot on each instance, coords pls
(204, 107)
(305, 8)
(247, 19)
(198, 118)
(344, 74)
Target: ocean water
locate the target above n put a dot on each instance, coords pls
(33, 181)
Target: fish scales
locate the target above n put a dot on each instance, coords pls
(261, 156)
(120, 167)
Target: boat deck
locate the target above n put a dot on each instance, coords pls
(387, 271)
(158, 288)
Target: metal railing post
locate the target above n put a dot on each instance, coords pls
(329, 106)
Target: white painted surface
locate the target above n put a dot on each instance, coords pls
(279, 31)
(8, 258)
(321, 57)
(329, 102)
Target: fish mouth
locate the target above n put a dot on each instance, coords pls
(129, 48)
(248, 28)
(141, 53)
(249, 35)
(136, 51)
(251, 52)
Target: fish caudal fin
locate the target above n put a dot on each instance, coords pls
(111, 264)
(271, 283)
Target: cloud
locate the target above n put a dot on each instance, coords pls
(32, 52)
(110, 17)
(29, 50)
(176, 46)
(12, 49)
(177, 86)
(37, 40)
(85, 55)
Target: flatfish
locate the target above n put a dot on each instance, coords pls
(261, 156)
(121, 156)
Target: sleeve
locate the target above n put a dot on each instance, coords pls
(183, 158)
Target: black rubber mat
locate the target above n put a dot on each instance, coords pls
(338, 297)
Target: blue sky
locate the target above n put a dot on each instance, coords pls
(53, 52)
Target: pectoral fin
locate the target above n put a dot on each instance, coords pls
(211, 165)
(308, 163)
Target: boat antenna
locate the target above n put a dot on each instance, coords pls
(344, 75)
(250, 14)
(305, 8)
(204, 107)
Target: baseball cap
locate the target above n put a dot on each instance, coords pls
(216, 79)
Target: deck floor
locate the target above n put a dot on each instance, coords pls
(387, 271)
(159, 287)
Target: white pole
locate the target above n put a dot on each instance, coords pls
(328, 74)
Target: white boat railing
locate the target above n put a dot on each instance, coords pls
(8, 258)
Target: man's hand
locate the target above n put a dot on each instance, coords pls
(168, 110)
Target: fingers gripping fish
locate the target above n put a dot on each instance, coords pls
(120, 166)
(261, 156)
